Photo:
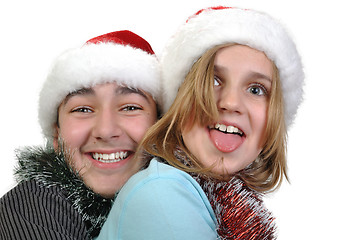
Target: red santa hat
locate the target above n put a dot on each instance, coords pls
(220, 25)
(122, 57)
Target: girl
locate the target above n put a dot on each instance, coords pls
(232, 82)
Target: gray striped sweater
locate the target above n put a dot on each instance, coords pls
(50, 201)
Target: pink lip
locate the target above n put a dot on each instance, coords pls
(226, 143)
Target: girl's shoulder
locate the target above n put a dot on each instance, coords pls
(155, 199)
(160, 175)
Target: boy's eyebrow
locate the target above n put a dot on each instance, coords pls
(128, 90)
(121, 90)
(83, 91)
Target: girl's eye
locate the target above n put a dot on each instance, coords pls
(217, 81)
(258, 89)
(131, 108)
(82, 110)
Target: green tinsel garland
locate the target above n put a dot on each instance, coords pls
(50, 169)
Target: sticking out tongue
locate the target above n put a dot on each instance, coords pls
(225, 142)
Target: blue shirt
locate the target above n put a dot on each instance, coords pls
(160, 202)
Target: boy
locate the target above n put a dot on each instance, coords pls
(94, 108)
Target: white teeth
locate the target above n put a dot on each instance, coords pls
(222, 127)
(110, 158)
(228, 129)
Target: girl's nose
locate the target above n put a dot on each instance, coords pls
(230, 100)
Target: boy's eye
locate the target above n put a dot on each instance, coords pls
(82, 110)
(257, 89)
(131, 108)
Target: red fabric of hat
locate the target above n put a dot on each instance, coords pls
(124, 38)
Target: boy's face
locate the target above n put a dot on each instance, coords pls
(101, 128)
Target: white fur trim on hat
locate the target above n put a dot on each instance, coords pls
(95, 64)
(233, 25)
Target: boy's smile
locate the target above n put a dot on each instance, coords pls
(111, 158)
(101, 127)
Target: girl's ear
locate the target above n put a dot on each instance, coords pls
(56, 137)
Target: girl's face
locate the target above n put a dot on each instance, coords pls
(242, 85)
(101, 128)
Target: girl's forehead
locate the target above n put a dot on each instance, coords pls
(243, 59)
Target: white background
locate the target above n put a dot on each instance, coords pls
(323, 199)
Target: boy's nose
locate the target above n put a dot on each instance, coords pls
(106, 126)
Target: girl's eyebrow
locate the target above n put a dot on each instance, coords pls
(218, 68)
(257, 75)
(252, 75)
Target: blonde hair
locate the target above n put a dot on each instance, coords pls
(195, 103)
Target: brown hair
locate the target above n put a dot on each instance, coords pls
(195, 103)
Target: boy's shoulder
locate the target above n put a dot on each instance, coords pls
(30, 208)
